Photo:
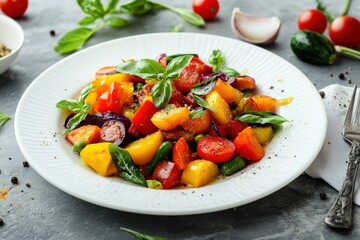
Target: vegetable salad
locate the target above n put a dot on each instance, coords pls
(171, 122)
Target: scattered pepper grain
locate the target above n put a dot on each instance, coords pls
(322, 94)
(341, 76)
(25, 164)
(322, 196)
(52, 33)
(14, 180)
(28, 185)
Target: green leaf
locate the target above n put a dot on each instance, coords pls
(75, 121)
(161, 93)
(205, 87)
(171, 57)
(176, 28)
(230, 72)
(125, 165)
(261, 118)
(154, 184)
(216, 60)
(84, 93)
(73, 40)
(320, 6)
(88, 20)
(92, 7)
(69, 104)
(191, 17)
(111, 7)
(141, 236)
(3, 118)
(176, 65)
(197, 112)
(116, 22)
(201, 102)
(145, 68)
(138, 7)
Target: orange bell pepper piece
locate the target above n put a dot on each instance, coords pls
(170, 117)
(248, 146)
(88, 134)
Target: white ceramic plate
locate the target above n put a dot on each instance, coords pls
(38, 127)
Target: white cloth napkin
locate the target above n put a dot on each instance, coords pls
(330, 164)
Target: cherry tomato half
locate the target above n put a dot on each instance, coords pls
(215, 149)
(14, 8)
(345, 31)
(207, 9)
(313, 20)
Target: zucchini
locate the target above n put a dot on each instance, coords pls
(313, 47)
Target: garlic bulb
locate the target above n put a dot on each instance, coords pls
(253, 29)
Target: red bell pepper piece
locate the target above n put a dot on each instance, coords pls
(110, 101)
(181, 154)
(142, 118)
(168, 174)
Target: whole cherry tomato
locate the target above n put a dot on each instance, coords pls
(207, 9)
(14, 8)
(215, 149)
(313, 20)
(345, 31)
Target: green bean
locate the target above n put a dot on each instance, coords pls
(232, 166)
(164, 151)
(79, 146)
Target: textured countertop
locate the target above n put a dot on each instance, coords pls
(42, 211)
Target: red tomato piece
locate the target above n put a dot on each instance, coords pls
(110, 101)
(235, 127)
(142, 118)
(313, 20)
(177, 98)
(191, 75)
(168, 174)
(181, 154)
(215, 149)
(14, 8)
(207, 9)
(247, 145)
(221, 130)
(345, 31)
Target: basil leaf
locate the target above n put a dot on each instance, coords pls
(73, 40)
(87, 21)
(176, 65)
(141, 236)
(145, 68)
(75, 121)
(216, 60)
(116, 22)
(171, 57)
(176, 28)
(3, 118)
(154, 184)
(69, 104)
(137, 7)
(84, 93)
(161, 93)
(111, 7)
(204, 87)
(125, 166)
(201, 102)
(92, 7)
(230, 72)
(196, 113)
(261, 118)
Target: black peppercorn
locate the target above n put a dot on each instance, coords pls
(52, 33)
(25, 164)
(322, 94)
(322, 196)
(1, 222)
(28, 185)
(342, 76)
(14, 180)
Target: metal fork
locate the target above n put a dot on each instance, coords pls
(340, 214)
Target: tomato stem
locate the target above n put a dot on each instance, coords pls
(347, 7)
(348, 52)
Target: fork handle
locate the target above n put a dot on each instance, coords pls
(340, 214)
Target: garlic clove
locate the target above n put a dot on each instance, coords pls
(253, 29)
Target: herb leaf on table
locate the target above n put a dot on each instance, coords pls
(3, 118)
(141, 236)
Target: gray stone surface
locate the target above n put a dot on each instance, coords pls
(44, 212)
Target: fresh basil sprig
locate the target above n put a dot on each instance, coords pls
(261, 118)
(3, 118)
(141, 236)
(125, 165)
(79, 107)
(150, 69)
(98, 15)
(217, 61)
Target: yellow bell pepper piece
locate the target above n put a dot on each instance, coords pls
(143, 150)
(98, 157)
(170, 117)
(227, 92)
(199, 173)
(264, 134)
(118, 77)
(223, 114)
